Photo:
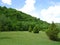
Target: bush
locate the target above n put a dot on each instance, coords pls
(30, 29)
(52, 32)
(36, 29)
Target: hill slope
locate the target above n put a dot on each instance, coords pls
(13, 20)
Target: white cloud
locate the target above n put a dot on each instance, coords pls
(28, 7)
(35, 14)
(51, 14)
(7, 2)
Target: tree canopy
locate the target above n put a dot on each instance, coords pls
(13, 20)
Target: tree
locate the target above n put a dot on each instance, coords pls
(52, 32)
(36, 29)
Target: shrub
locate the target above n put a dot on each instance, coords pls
(52, 32)
(36, 29)
(30, 29)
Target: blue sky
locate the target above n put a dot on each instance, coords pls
(47, 10)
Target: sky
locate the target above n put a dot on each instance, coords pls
(46, 10)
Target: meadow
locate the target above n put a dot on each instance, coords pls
(25, 38)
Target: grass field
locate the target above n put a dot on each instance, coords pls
(25, 38)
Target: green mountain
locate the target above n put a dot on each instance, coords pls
(13, 20)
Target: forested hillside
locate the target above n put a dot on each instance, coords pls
(13, 20)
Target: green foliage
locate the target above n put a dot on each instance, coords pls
(13, 20)
(30, 29)
(36, 29)
(52, 32)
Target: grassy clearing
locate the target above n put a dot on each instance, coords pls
(25, 38)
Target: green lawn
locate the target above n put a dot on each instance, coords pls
(25, 38)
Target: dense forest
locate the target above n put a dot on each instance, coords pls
(13, 20)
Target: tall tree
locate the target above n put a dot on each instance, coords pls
(52, 32)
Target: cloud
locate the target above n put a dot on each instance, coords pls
(7, 2)
(35, 14)
(28, 7)
(51, 14)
